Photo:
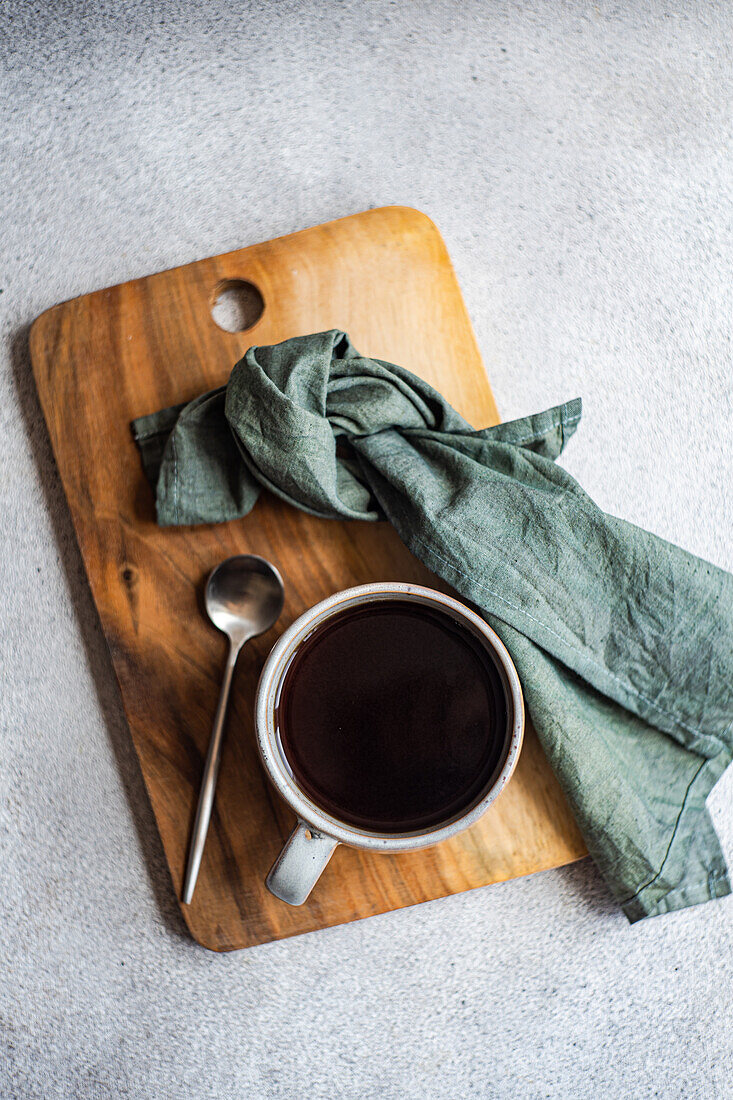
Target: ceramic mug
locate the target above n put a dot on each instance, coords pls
(314, 839)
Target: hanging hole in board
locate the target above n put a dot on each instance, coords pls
(236, 305)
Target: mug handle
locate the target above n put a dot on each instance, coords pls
(299, 866)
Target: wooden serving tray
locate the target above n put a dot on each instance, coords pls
(99, 361)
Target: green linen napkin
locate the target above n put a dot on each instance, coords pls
(622, 641)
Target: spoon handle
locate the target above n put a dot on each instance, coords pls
(208, 783)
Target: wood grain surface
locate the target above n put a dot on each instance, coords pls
(99, 361)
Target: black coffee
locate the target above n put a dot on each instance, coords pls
(393, 716)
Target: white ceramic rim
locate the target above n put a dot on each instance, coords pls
(273, 758)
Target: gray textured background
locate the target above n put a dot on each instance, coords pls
(577, 158)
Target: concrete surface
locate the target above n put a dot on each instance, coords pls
(577, 158)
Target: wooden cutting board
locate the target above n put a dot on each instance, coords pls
(99, 361)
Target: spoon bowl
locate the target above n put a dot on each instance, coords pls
(244, 596)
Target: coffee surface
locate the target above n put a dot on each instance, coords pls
(393, 717)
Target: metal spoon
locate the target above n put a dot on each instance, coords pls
(244, 597)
